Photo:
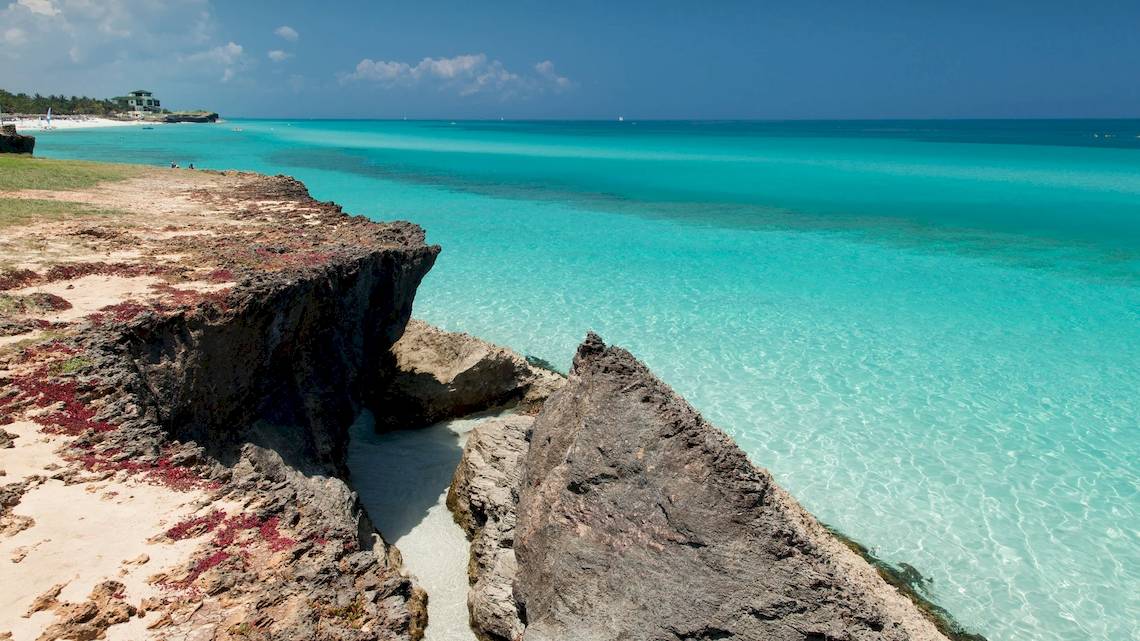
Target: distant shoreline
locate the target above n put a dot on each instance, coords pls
(70, 122)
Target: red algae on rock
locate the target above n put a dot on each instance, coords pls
(196, 526)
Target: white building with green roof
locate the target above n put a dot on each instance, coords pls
(140, 101)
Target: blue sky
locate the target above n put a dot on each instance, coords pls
(528, 59)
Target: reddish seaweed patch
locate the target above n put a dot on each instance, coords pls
(220, 276)
(17, 278)
(71, 271)
(192, 298)
(196, 526)
(71, 417)
(233, 538)
(262, 529)
(33, 352)
(202, 566)
(277, 542)
(282, 257)
(119, 312)
(162, 471)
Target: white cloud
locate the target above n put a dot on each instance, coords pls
(100, 46)
(545, 70)
(380, 70)
(467, 74)
(278, 55)
(230, 56)
(226, 54)
(41, 7)
(287, 32)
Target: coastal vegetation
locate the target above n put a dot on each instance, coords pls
(21, 211)
(22, 103)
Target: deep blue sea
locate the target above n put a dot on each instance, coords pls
(928, 331)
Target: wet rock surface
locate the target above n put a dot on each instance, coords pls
(483, 498)
(437, 375)
(640, 520)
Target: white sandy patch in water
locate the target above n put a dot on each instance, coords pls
(402, 478)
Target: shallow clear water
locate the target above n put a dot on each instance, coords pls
(929, 332)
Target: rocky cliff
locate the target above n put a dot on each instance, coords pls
(639, 520)
(211, 373)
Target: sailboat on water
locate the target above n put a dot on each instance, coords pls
(48, 125)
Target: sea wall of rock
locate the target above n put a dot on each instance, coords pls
(266, 326)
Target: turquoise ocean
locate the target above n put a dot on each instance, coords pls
(928, 331)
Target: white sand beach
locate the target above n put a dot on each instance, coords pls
(77, 535)
(70, 122)
(402, 478)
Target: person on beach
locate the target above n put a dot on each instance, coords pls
(191, 166)
(173, 165)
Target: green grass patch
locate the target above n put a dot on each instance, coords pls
(73, 365)
(20, 211)
(28, 172)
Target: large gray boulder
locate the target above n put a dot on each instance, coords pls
(638, 520)
(438, 375)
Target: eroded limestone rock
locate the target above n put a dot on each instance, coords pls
(89, 619)
(483, 498)
(639, 520)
